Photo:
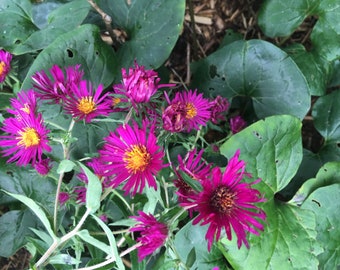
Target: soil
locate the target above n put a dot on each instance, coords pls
(202, 34)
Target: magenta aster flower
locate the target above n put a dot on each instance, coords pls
(83, 104)
(131, 155)
(26, 102)
(139, 85)
(153, 234)
(5, 64)
(226, 203)
(219, 108)
(25, 139)
(57, 88)
(187, 111)
(237, 124)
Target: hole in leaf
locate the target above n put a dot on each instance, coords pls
(213, 71)
(276, 161)
(338, 144)
(315, 201)
(69, 53)
(96, 52)
(257, 135)
(18, 41)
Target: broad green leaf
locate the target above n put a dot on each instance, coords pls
(27, 182)
(4, 100)
(258, 70)
(80, 46)
(16, 23)
(14, 228)
(281, 18)
(65, 18)
(326, 33)
(314, 67)
(113, 252)
(326, 115)
(152, 27)
(37, 210)
(93, 191)
(190, 238)
(65, 166)
(325, 203)
(271, 147)
(272, 151)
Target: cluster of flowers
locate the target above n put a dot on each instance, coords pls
(132, 156)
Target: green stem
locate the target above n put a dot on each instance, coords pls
(62, 240)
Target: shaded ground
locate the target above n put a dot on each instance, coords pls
(211, 20)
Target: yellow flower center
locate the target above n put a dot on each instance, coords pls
(191, 111)
(29, 137)
(2, 67)
(115, 101)
(26, 109)
(137, 158)
(223, 200)
(86, 105)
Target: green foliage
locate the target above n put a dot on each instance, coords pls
(290, 232)
(258, 70)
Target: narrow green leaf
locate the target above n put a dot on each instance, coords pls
(93, 191)
(85, 235)
(256, 69)
(113, 245)
(63, 259)
(37, 211)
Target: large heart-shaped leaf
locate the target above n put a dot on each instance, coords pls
(258, 70)
(326, 114)
(152, 27)
(16, 23)
(61, 20)
(80, 46)
(281, 18)
(316, 69)
(272, 151)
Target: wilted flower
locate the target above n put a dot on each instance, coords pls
(57, 88)
(131, 155)
(83, 104)
(188, 110)
(43, 167)
(5, 64)
(152, 234)
(219, 108)
(226, 203)
(25, 139)
(139, 85)
(237, 124)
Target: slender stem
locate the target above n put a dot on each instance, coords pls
(60, 241)
(56, 202)
(99, 265)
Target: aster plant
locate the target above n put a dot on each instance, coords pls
(109, 159)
